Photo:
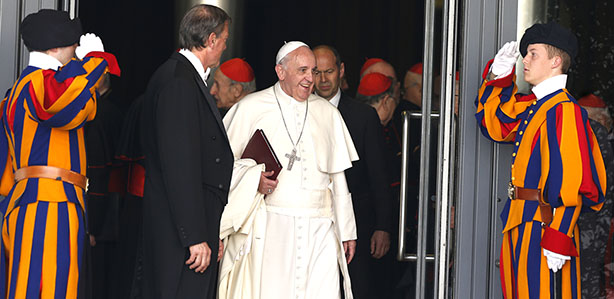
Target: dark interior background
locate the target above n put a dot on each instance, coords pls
(391, 30)
(142, 36)
(593, 24)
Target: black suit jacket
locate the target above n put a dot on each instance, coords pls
(369, 184)
(188, 163)
(367, 179)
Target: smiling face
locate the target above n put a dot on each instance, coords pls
(296, 73)
(327, 74)
(537, 66)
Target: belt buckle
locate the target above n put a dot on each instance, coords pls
(511, 191)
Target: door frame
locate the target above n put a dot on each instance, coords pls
(483, 166)
(14, 56)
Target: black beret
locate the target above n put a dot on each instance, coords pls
(552, 34)
(48, 29)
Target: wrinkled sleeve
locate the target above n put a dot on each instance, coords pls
(7, 179)
(66, 98)
(343, 208)
(576, 175)
(498, 107)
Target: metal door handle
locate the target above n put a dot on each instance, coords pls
(422, 218)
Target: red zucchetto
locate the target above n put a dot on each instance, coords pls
(238, 70)
(416, 68)
(368, 63)
(591, 100)
(373, 84)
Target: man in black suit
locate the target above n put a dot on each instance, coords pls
(188, 163)
(367, 179)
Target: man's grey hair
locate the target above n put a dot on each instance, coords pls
(248, 87)
(198, 23)
(284, 61)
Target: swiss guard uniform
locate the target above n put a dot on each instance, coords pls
(43, 148)
(556, 169)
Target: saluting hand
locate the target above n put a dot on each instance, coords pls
(505, 60)
(200, 257)
(89, 42)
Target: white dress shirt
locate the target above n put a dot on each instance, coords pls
(335, 100)
(204, 74)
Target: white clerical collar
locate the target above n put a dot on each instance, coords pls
(204, 74)
(335, 100)
(549, 86)
(284, 98)
(44, 61)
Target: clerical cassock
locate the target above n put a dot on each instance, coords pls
(306, 221)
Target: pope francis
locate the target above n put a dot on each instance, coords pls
(291, 237)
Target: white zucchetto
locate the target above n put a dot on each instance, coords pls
(287, 48)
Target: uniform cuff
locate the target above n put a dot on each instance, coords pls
(558, 242)
(110, 59)
(501, 82)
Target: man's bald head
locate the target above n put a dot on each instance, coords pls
(381, 67)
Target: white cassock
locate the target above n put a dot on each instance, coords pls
(294, 249)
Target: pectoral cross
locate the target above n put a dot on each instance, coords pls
(291, 158)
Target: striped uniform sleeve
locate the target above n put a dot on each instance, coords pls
(66, 98)
(576, 174)
(499, 107)
(6, 166)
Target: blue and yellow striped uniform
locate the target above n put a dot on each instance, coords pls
(43, 228)
(556, 152)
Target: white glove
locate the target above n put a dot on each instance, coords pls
(505, 60)
(555, 260)
(89, 42)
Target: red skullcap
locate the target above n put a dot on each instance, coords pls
(368, 63)
(374, 84)
(238, 70)
(591, 100)
(416, 68)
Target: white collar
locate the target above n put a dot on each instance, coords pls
(44, 61)
(335, 100)
(204, 74)
(549, 86)
(284, 98)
